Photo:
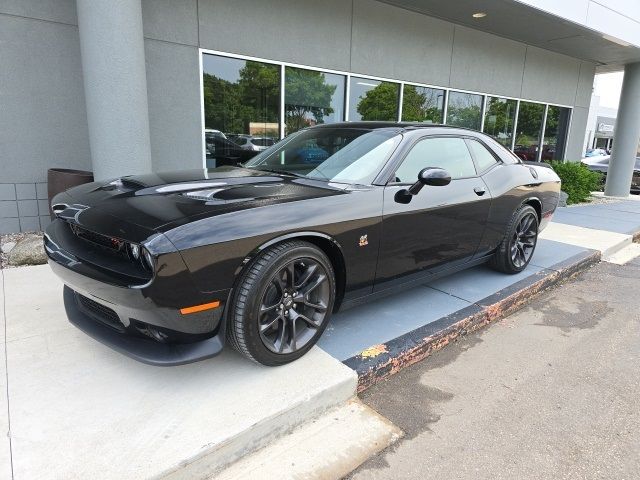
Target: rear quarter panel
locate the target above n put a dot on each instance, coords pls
(510, 187)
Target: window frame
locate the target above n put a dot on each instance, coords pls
(498, 160)
(348, 75)
(391, 177)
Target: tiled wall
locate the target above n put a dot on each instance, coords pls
(23, 207)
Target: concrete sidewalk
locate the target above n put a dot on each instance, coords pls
(81, 411)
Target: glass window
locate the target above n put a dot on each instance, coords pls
(449, 153)
(499, 119)
(312, 98)
(530, 117)
(343, 155)
(464, 110)
(422, 104)
(373, 100)
(555, 133)
(484, 158)
(241, 101)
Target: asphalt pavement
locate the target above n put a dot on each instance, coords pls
(551, 392)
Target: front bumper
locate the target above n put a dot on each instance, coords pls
(141, 320)
(141, 349)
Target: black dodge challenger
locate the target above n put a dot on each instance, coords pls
(166, 267)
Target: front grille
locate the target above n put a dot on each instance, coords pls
(101, 313)
(112, 244)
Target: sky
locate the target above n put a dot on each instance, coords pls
(607, 86)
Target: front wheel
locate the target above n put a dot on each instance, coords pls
(282, 303)
(517, 247)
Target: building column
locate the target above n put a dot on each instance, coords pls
(627, 134)
(115, 86)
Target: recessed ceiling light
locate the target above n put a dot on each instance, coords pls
(479, 15)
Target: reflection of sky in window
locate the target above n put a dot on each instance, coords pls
(464, 100)
(337, 99)
(225, 68)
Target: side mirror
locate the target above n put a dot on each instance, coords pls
(432, 176)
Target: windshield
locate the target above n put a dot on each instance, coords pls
(342, 155)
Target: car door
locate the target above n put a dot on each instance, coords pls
(440, 226)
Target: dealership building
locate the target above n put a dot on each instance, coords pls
(120, 87)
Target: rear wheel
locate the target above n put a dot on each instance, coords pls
(282, 304)
(517, 247)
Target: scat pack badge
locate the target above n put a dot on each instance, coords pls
(363, 241)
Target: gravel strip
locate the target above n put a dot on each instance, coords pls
(7, 238)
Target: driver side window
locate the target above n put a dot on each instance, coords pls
(449, 153)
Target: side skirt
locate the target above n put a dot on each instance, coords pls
(403, 285)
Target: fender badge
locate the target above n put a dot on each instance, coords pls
(363, 241)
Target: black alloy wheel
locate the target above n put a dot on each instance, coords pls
(524, 240)
(294, 305)
(282, 303)
(519, 242)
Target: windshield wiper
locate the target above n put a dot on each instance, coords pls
(280, 172)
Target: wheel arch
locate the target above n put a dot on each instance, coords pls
(329, 245)
(536, 204)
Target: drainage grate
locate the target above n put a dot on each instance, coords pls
(101, 313)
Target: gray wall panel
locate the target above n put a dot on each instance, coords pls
(53, 10)
(396, 43)
(173, 87)
(43, 122)
(171, 20)
(486, 63)
(578, 126)
(550, 77)
(585, 84)
(313, 33)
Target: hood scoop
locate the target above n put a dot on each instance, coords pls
(237, 193)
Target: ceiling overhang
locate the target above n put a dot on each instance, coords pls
(526, 24)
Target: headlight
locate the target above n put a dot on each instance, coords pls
(134, 248)
(147, 260)
(139, 254)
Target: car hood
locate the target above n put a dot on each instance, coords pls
(161, 201)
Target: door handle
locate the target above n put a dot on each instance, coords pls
(479, 191)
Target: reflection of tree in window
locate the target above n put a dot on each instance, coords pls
(307, 98)
(230, 107)
(499, 119)
(464, 110)
(555, 131)
(380, 103)
(422, 104)
(529, 123)
(530, 118)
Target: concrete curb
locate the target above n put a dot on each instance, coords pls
(381, 361)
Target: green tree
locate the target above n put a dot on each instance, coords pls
(307, 98)
(464, 111)
(529, 123)
(255, 97)
(380, 103)
(499, 119)
(420, 104)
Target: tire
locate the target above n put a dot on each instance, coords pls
(274, 318)
(503, 259)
